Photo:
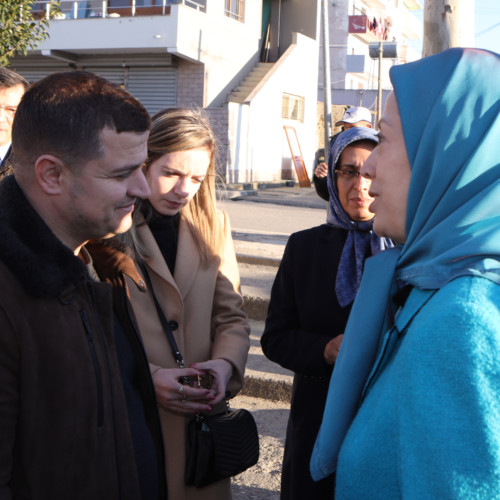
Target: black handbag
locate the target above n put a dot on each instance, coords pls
(219, 446)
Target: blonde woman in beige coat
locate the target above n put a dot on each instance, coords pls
(187, 249)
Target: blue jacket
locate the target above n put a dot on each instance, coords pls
(429, 424)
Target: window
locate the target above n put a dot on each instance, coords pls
(235, 9)
(292, 107)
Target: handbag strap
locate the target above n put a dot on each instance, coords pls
(163, 319)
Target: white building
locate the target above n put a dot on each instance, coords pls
(252, 64)
(353, 26)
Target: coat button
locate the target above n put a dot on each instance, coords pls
(173, 324)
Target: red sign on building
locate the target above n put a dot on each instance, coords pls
(358, 24)
(376, 28)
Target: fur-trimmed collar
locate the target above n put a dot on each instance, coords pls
(43, 265)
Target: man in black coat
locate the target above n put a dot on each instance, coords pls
(78, 412)
(12, 88)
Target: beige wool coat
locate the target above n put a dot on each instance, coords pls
(207, 305)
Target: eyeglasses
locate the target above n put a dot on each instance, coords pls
(348, 174)
(10, 111)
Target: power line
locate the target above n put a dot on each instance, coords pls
(487, 30)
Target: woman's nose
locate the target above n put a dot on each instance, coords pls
(181, 187)
(368, 168)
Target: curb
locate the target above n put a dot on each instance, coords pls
(255, 307)
(267, 388)
(258, 260)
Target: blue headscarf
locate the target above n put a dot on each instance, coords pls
(361, 240)
(452, 132)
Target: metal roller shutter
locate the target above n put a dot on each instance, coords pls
(114, 75)
(155, 87)
(150, 80)
(34, 70)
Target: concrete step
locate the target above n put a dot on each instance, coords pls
(256, 283)
(263, 378)
(259, 256)
(256, 75)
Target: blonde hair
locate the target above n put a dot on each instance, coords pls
(178, 129)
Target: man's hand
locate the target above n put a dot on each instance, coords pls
(321, 170)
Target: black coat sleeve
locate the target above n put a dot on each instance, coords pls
(321, 186)
(303, 314)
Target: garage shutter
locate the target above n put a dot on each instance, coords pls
(156, 87)
(114, 75)
(151, 81)
(36, 70)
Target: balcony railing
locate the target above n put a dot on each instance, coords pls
(79, 9)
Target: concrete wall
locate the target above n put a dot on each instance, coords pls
(292, 16)
(225, 47)
(258, 148)
(360, 97)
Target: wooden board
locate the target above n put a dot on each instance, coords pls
(298, 160)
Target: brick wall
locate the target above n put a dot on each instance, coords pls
(190, 84)
(219, 121)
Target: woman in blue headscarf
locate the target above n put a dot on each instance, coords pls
(421, 418)
(310, 301)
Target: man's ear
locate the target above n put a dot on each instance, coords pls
(48, 172)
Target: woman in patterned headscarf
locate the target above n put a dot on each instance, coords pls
(418, 373)
(310, 301)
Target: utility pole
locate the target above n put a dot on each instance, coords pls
(379, 50)
(327, 98)
(379, 98)
(447, 23)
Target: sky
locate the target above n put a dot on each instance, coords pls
(487, 24)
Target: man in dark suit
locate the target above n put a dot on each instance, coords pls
(12, 88)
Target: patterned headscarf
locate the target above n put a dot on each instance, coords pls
(361, 240)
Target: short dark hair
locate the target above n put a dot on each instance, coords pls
(9, 78)
(65, 113)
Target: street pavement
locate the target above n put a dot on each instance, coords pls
(261, 221)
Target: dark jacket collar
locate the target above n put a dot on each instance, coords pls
(43, 265)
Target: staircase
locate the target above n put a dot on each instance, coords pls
(248, 85)
(259, 256)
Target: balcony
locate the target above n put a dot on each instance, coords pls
(411, 27)
(413, 4)
(375, 4)
(80, 9)
(86, 27)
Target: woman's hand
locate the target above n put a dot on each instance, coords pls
(221, 371)
(332, 349)
(174, 396)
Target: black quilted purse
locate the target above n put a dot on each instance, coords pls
(220, 446)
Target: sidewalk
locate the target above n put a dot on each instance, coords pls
(279, 195)
(259, 255)
(268, 386)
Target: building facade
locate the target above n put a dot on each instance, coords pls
(201, 53)
(354, 25)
